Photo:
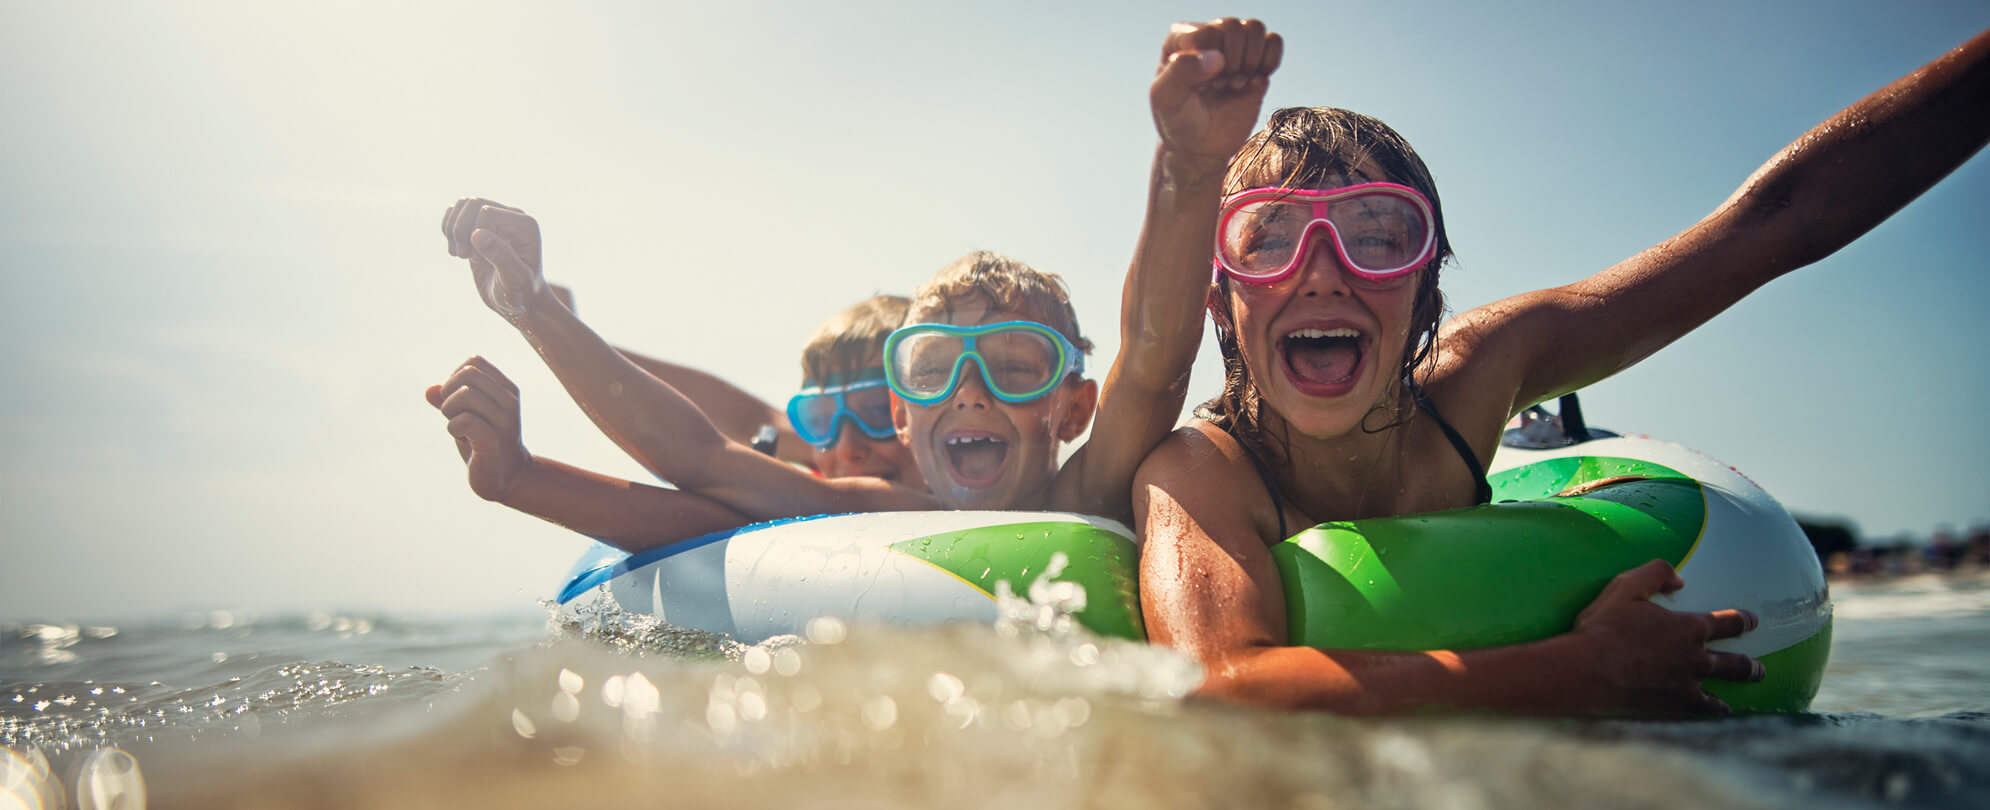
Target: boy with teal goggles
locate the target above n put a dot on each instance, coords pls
(819, 412)
(996, 446)
(1019, 360)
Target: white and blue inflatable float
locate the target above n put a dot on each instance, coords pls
(1565, 519)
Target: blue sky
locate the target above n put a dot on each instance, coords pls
(226, 288)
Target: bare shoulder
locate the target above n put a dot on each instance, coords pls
(1194, 452)
(1208, 585)
(1200, 476)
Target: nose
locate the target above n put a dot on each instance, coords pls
(852, 446)
(973, 391)
(1322, 273)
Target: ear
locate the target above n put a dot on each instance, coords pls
(1079, 407)
(901, 419)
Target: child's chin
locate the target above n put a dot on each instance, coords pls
(985, 497)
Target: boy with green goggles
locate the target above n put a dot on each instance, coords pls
(1018, 360)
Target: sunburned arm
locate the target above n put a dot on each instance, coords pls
(1833, 184)
(1209, 588)
(734, 412)
(652, 422)
(1205, 99)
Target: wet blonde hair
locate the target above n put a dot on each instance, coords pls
(852, 341)
(1003, 283)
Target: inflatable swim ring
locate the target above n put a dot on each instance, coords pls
(770, 579)
(1522, 567)
(1516, 570)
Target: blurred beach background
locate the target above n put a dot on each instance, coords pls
(230, 518)
(227, 287)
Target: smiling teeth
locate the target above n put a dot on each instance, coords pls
(960, 440)
(1342, 332)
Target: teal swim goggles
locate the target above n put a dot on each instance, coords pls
(818, 413)
(1019, 360)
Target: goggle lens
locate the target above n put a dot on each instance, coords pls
(815, 414)
(1018, 360)
(1379, 230)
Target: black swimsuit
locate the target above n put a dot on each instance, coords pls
(1483, 490)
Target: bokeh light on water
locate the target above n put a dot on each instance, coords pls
(600, 707)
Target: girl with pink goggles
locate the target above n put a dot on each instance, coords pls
(1381, 231)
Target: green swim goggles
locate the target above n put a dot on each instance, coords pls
(1019, 360)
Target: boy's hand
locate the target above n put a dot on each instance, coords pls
(502, 244)
(1646, 658)
(482, 407)
(1212, 79)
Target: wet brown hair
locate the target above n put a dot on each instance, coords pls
(852, 341)
(1302, 147)
(1003, 283)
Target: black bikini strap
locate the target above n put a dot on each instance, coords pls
(1270, 486)
(1481, 489)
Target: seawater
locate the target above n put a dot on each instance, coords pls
(599, 708)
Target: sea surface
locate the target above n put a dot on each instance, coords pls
(597, 708)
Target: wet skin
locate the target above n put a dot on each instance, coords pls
(1273, 322)
(978, 452)
(857, 454)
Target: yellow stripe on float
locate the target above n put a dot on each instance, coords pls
(1706, 517)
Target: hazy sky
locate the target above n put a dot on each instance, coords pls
(225, 288)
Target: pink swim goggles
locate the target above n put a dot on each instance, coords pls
(1381, 231)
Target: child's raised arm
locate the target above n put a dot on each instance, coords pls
(737, 414)
(1831, 185)
(648, 419)
(734, 412)
(1205, 99)
(482, 407)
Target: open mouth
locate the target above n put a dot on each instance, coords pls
(1323, 361)
(976, 459)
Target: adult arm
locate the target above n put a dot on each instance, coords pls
(481, 405)
(1209, 587)
(1830, 186)
(1205, 99)
(651, 421)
